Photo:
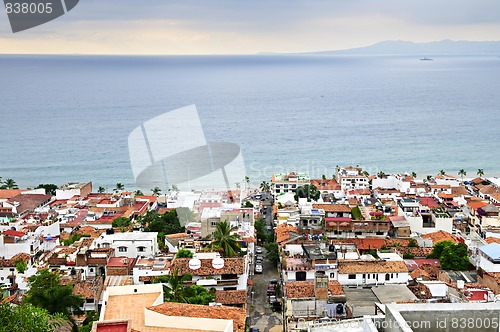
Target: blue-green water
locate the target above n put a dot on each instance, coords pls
(67, 118)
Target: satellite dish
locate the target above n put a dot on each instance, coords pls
(194, 264)
(217, 263)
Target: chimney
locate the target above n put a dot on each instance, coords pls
(320, 286)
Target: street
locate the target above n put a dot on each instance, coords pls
(261, 314)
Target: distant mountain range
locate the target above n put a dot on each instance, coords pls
(444, 47)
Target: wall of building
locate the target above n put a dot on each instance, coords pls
(374, 278)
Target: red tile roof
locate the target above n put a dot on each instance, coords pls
(232, 265)
(339, 208)
(440, 236)
(305, 289)
(237, 315)
(231, 297)
(376, 266)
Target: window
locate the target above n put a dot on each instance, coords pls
(300, 276)
(213, 223)
(387, 277)
(351, 276)
(332, 275)
(141, 249)
(122, 249)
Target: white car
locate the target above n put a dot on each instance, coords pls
(258, 268)
(258, 250)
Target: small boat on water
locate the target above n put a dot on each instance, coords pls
(426, 59)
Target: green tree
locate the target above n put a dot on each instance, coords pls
(248, 204)
(50, 188)
(438, 248)
(224, 240)
(167, 223)
(173, 286)
(480, 172)
(412, 243)
(156, 191)
(47, 293)
(21, 265)
(442, 172)
(175, 188)
(428, 177)
(356, 213)
(381, 175)
(462, 173)
(9, 184)
(101, 190)
(265, 187)
(121, 222)
(414, 175)
(272, 253)
(260, 228)
(185, 215)
(184, 253)
(455, 258)
(138, 192)
(198, 295)
(308, 191)
(120, 186)
(28, 318)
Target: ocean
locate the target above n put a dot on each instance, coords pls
(67, 117)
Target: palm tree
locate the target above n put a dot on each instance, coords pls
(429, 177)
(462, 173)
(156, 191)
(10, 184)
(442, 172)
(120, 186)
(381, 174)
(101, 190)
(238, 185)
(414, 175)
(225, 240)
(323, 177)
(138, 192)
(480, 172)
(175, 188)
(265, 187)
(173, 288)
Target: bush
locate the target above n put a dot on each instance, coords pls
(184, 253)
(121, 222)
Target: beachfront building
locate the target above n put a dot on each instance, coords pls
(351, 178)
(288, 182)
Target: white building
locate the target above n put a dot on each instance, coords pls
(288, 182)
(489, 257)
(351, 178)
(372, 272)
(130, 244)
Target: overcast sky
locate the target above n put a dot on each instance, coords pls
(236, 27)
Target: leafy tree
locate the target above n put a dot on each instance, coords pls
(308, 191)
(175, 188)
(120, 186)
(9, 184)
(260, 228)
(381, 174)
(21, 265)
(185, 215)
(442, 172)
(455, 257)
(92, 316)
(121, 222)
(156, 191)
(408, 255)
(272, 253)
(138, 193)
(373, 252)
(168, 223)
(224, 240)
(356, 213)
(462, 173)
(265, 187)
(412, 243)
(184, 253)
(429, 177)
(50, 188)
(414, 175)
(101, 190)
(480, 172)
(47, 293)
(28, 318)
(173, 288)
(198, 295)
(438, 248)
(248, 204)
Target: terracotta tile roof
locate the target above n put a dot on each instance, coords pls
(231, 297)
(416, 252)
(329, 184)
(377, 266)
(476, 204)
(440, 236)
(177, 235)
(305, 289)
(28, 201)
(459, 191)
(237, 315)
(489, 240)
(339, 208)
(418, 273)
(9, 193)
(369, 243)
(90, 288)
(233, 265)
(283, 232)
(488, 190)
(25, 257)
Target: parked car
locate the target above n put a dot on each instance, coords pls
(258, 268)
(272, 299)
(271, 291)
(273, 281)
(254, 329)
(277, 307)
(258, 250)
(259, 258)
